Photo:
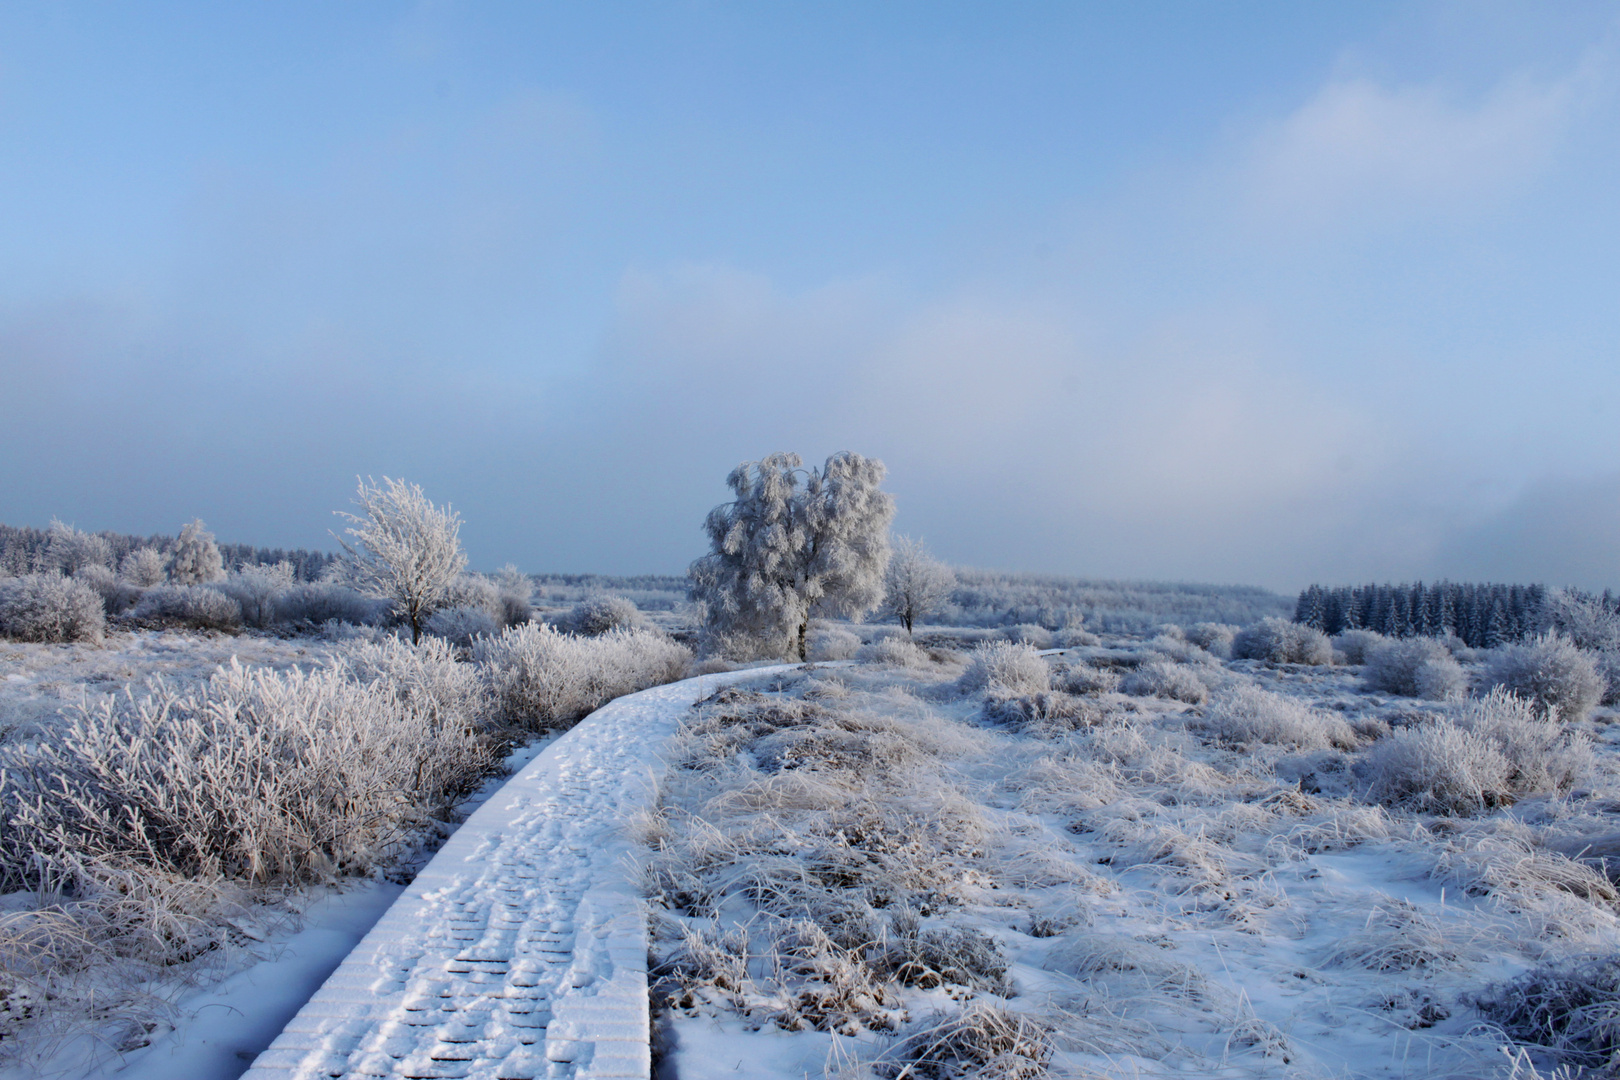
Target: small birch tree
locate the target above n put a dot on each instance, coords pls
(794, 544)
(917, 582)
(195, 558)
(405, 549)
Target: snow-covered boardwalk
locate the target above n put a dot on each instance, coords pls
(520, 951)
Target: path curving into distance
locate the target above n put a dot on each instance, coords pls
(520, 950)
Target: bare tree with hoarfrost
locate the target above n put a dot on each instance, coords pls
(195, 559)
(917, 583)
(794, 544)
(405, 549)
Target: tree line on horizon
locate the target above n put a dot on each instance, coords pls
(1483, 615)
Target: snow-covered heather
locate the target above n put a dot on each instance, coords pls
(38, 680)
(862, 868)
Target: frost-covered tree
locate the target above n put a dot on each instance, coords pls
(794, 544)
(195, 559)
(405, 549)
(917, 583)
(143, 566)
(69, 550)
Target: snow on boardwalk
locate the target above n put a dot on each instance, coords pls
(520, 950)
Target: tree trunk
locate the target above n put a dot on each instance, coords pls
(804, 629)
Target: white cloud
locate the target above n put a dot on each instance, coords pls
(1369, 152)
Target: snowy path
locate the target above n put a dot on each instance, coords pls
(520, 950)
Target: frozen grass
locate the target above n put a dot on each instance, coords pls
(893, 652)
(1570, 1007)
(1164, 890)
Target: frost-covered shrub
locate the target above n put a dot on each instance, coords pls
(1047, 713)
(598, 614)
(257, 775)
(1414, 667)
(255, 587)
(516, 593)
(473, 591)
(312, 604)
(542, 677)
(1030, 634)
(143, 567)
(50, 607)
(1570, 1006)
(1608, 666)
(1085, 679)
(1158, 678)
(1357, 644)
(894, 652)
(832, 643)
(425, 679)
(1549, 671)
(1074, 635)
(461, 625)
(193, 606)
(1011, 667)
(1245, 715)
(1543, 756)
(1437, 767)
(1282, 642)
(117, 596)
(195, 559)
(1213, 638)
(1180, 650)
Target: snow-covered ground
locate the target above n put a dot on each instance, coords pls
(865, 869)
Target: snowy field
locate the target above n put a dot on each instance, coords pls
(920, 866)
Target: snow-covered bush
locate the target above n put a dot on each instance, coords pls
(1177, 648)
(474, 591)
(541, 677)
(117, 596)
(143, 567)
(894, 652)
(1549, 671)
(1585, 620)
(425, 679)
(196, 607)
(1357, 644)
(257, 776)
(311, 604)
(1038, 637)
(1085, 679)
(1279, 641)
(516, 593)
(1074, 635)
(195, 559)
(461, 625)
(598, 614)
(1159, 678)
(1414, 667)
(1046, 714)
(50, 607)
(1213, 638)
(1543, 755)
(1245, 715)
(832, 643)
(1003, 665)
(255, 587)
(1437, 767)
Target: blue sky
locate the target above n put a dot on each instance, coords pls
(1246, 292)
